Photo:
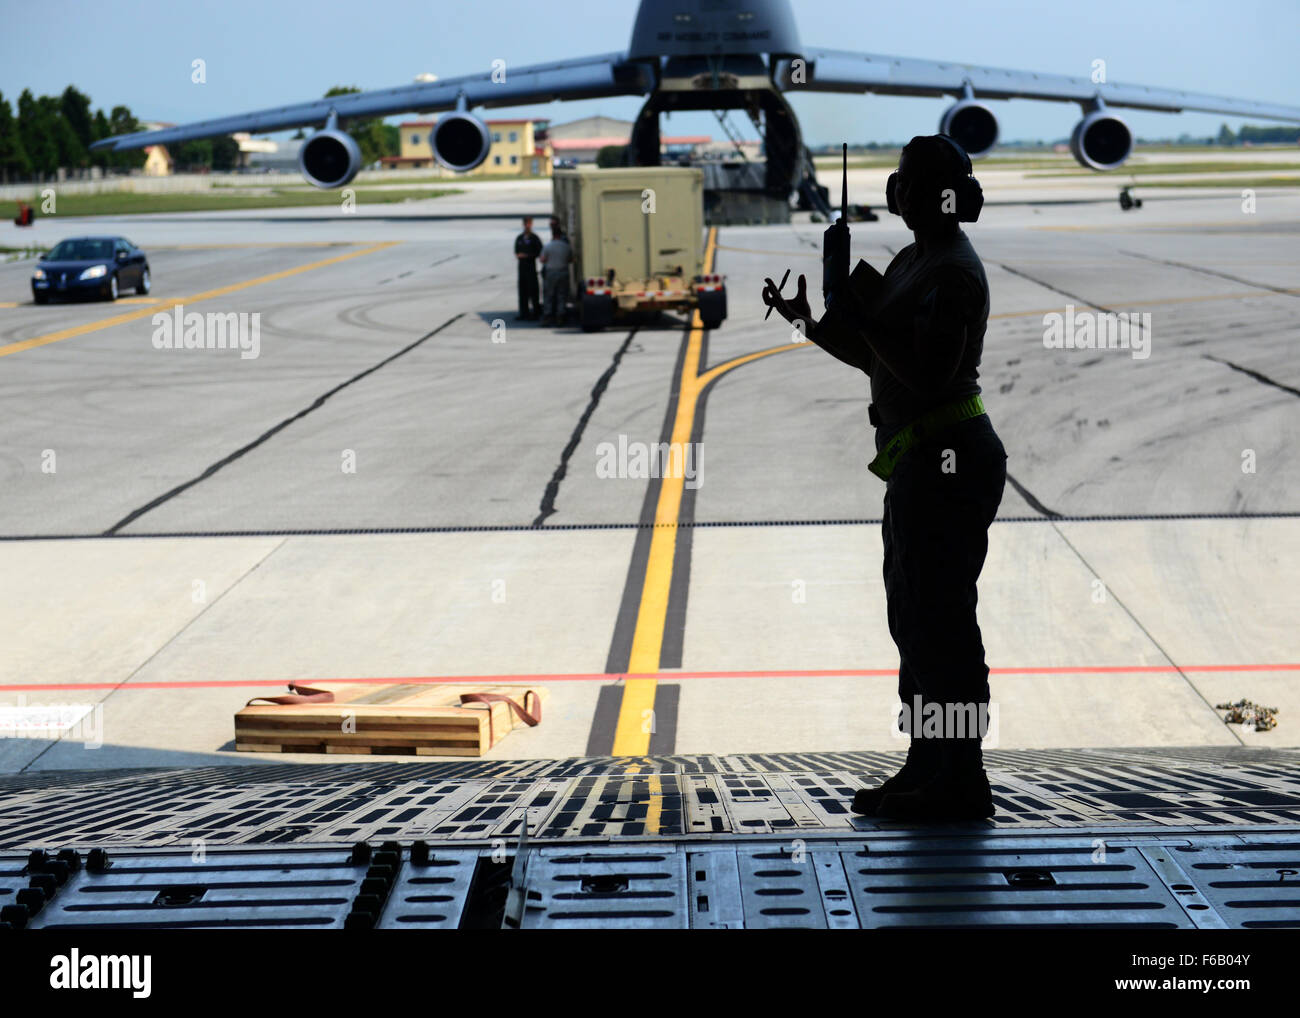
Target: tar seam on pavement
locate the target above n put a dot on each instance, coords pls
(1213, 272)
(1253, 374)
(1057, 289)
(315, 405)
(1111, 595)
(472, 528)
(547, 507)
(405, 274)
(1029, 497)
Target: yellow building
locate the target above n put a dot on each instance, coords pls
(519, 148)
(157, 161)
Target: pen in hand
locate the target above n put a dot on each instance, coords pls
(778, 290)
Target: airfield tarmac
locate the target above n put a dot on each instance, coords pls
(199, 542)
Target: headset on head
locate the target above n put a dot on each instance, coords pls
(969, 198)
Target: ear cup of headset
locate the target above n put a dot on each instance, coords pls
(970, 200)
(970, 196)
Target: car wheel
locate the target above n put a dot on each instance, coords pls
(40, 298)
(711, 323)
(112, 286)
(142, 287)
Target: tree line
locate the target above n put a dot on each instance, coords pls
(1252, 135)
(49, 133)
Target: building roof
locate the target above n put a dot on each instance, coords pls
(597, 126)
(570, 144)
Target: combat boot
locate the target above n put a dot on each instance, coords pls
(957, 790)
(922, 759)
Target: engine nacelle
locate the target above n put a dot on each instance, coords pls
(460, 141)
(329, 158)
(1101, 141)
(972, 125)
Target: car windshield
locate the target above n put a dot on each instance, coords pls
(80, 250)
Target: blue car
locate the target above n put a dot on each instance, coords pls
(90, 267)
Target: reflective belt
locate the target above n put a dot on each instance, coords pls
(923, 427)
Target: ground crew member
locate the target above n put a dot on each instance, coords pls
(556, 256)
(918, 332)
(527, 247)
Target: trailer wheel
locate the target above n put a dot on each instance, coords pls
(713, 308)
(595, 311)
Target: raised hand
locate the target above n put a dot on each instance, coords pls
(793, 309)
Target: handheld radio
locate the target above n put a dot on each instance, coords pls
(835, 241)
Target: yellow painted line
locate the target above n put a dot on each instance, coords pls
(131, 316)
(632, 735)
(8, 304)
(259, 243)
(647, 640)
(735, 362)
(648, 637)
(655, 808)
(638, 699)
(655, 800)
(138, 300)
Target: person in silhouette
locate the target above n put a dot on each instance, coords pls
(918, 332)
(556, 256)
(527, 247)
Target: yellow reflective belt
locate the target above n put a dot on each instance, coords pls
(945, 416)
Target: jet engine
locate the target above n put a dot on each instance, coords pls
(1101, 141)
(972, 125)
(329, 158)
(460, 141)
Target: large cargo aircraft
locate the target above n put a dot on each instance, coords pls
(712, 55)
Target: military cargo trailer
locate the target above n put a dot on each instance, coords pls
(638, 242)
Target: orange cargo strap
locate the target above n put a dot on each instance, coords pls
(531, 720)
(302, 694)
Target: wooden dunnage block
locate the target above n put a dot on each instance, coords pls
(425, 719)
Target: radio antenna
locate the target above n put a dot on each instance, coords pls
(844, 186)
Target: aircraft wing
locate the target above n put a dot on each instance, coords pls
(582, 78)
(830, 70)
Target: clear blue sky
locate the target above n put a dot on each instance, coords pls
(262, 54)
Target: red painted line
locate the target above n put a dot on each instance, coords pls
(607, 677)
